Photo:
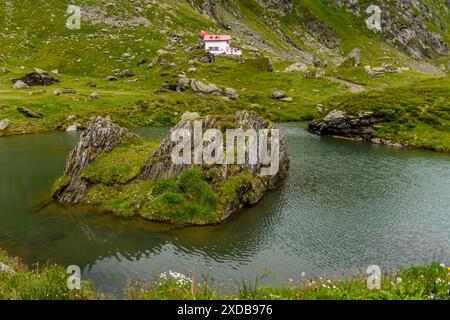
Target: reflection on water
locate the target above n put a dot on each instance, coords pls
(344, 206)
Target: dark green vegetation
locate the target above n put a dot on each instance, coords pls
(196, 197)
(118, 37)
(41, 282)
(413, 283)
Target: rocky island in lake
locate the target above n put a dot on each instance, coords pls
(120, 172)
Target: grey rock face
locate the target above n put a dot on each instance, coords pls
(404, 25)
(251, 194)
(100, 136)
(339, 123)
(41, 78)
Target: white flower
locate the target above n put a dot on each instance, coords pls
(442, 265)
(399, 280)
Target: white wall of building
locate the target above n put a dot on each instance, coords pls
(217, 47)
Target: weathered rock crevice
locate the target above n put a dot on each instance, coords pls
(100, 136)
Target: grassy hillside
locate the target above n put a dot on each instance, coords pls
(123, 35)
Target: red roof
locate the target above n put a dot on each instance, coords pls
(214, 37)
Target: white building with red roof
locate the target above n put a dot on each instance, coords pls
(219, 44)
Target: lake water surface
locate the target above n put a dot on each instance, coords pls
(344, 206)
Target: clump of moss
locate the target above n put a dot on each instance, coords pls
(186, 200)
(60, 183)
(121, 165)
(242, 184)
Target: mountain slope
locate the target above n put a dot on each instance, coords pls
(154, 43)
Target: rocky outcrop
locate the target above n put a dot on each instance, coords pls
(200, 88)
(103, 136)
(41, 78)
(163, 167)
(100, 136)
(339, 123)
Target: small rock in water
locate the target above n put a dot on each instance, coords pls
(95, 96)
(72, 128)
(111, 78)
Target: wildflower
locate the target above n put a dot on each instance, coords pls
(442, 265)
(399, 280)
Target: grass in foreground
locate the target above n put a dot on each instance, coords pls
(46, 282)
(413, 283)
(49, 282)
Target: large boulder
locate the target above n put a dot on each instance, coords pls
(41, 78)
(203, 88)
(100, 136)
(340, 123)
